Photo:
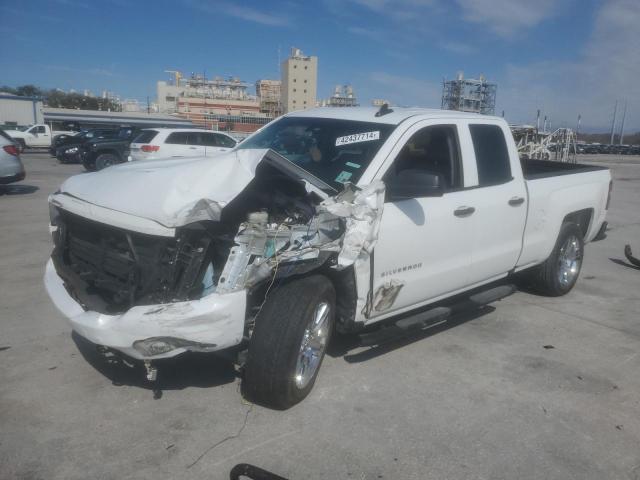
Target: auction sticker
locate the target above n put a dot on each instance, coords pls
(357, 138)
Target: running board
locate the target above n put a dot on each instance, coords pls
(433, 317)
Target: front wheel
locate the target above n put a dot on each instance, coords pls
(289, 342)
(105, 160)
(559, 273)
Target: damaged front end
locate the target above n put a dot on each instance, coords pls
(198, 288)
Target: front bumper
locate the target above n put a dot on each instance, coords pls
(71, 157)
(214, 322)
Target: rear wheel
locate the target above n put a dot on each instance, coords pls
(289, 342)
(559, 273)
(105, 160)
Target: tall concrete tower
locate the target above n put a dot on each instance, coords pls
(299, 81)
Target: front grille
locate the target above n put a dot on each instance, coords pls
(109, 269)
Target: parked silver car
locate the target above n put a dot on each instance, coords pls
(11, 168)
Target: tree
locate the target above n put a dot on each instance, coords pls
(59, 99)
(28, 91)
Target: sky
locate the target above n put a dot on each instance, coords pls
(564, 57)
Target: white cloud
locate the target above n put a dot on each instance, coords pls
(406, 91)
(457, 47)
(506, 17)
(242, 12)
(607, 70)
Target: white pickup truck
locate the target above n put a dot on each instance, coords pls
(326, 219)
(36, 136)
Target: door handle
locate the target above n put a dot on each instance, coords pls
(463, 211)
(193, 148)
(515, 201)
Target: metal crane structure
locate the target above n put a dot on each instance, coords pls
(469, 95)
(559, 145)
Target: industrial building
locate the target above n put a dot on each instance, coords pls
(269, 93)
(343, 96)
(299, 81)
(469, 95)
(217, 103)
(18, 111)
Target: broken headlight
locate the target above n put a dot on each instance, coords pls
(150, 347)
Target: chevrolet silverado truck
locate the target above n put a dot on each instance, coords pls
(35, 136)
(358, 220)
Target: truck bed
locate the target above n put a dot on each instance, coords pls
(533, 169)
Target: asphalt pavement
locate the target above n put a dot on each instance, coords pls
(530, 388)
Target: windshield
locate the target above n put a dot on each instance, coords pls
(335, 151)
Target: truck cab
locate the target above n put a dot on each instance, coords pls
(35, 136)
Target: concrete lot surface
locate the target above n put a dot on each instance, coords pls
(533, 388)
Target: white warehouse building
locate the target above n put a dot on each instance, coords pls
(18, 111)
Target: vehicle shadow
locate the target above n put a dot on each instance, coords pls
(187, 370)
(17, 189)
(619, 261)
(342, 345)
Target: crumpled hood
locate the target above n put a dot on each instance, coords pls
(170, 192)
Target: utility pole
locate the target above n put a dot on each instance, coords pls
(613, 123)
(624, 114)
(578, 125)
(148, 105)
(538, 122)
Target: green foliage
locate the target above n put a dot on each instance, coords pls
(58, 99)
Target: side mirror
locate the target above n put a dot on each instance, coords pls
(414, 183)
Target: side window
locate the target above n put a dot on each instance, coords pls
(432, 150)
(177, 138)
(194, 138)
(224, 141)
(209, 140)
(492, 155)
(41, 129)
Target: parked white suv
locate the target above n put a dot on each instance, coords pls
(163, 143)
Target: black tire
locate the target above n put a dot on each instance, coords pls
(546, 278)
(89, 166)
(277, 339)
(105, 160)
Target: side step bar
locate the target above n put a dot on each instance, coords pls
(433, 317)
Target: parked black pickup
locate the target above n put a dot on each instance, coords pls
(66, 148)
(105, 152)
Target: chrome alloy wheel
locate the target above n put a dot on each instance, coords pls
(569, 261)
(314, 343)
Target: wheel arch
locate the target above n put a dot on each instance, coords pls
(344, 284)
(582, 218)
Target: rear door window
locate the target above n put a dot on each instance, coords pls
(145, 136)
(492, 155)
(193, 138)
(224, 141)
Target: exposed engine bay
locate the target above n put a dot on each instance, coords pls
(275, 227)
